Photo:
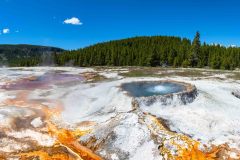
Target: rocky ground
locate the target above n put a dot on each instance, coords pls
(82, 113)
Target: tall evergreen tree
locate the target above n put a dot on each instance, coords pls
(195, 51)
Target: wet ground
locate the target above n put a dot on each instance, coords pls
(82, 113)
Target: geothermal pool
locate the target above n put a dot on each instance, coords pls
(146, 89)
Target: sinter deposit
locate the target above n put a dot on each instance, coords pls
(101, 113)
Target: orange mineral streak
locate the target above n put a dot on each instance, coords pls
(193, 153)
(65, 138)
(68, 139)
(189, 151)
(45, 156)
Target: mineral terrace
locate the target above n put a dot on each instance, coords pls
(83, 113)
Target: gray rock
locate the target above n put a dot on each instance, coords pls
(236, 93)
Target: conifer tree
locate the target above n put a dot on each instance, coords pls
(195, 51)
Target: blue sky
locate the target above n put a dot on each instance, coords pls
(42, 21)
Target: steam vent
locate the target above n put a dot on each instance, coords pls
(162, 92)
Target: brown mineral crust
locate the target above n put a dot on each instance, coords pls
(65, 138)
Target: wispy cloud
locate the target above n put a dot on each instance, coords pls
(6, 31)
(73, 21)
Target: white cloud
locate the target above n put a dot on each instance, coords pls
(73, 21)
(6, 31)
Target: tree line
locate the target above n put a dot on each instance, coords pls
(153, 51)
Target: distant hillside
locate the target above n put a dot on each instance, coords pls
(154, 51)
(27, 55)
